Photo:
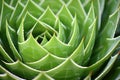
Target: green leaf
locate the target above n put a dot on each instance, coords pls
(41, 27)
(75, 39)
(105, 53)
(44, 41)
(65, 16)
(58, 48)
(78, 54)
(61, 35)
(15, 14)
(107, 68)
(66, 1)
(43, 76)
(90, 20)
(116, 75)
(14, 2)
(20, 32)
(68, 69)
(32, 8)
(104, 44)
(29, 22)
(8, 75)
(5, 77)
(5, 14)
(54, 5)
(88, 77)
(113, 6)
(6, 1)
(48, 17)
(98, 14)
(0, 6)
(91, 40)
(76, 7)
(66, 19)
(22, 70)
(43, 63)
(110, 28)
(5, 55)
(10, 32)
(107, 48)
(31, 51)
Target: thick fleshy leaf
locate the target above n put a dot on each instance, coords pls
(74, 41)
(29, 22)
(90, 19)
(5, 55)
(44, 41)
(91, 41)
(43, 63)
(76, 7)
(107, 48)
(22, 70)
(20, 32)
(5, 14)
(55, 5)
(43, 76)
(32, 8)
(110, 28)
(103, 44)
(66, 19)
(15, 15)
(58, 48)
(116, 75)
(5, 77)
(8, 75)
(13, 2)
(41, 27)
(61, 35)
(78, 54)
(0, 5)
(66, 1)
(68, 69)
(9, 32)
(59, 39)
(113, 6)
(108, 67)
(98, 10)
(48, 17)
(65, 16)
(88, 77)
(31, 51)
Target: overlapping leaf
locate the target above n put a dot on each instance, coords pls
(58, 39)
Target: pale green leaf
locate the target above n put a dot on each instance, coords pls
(55, 5)
(31, 51)
(32, 8)
(76, 7)
(46, 63)
(43, 76)
(78, 54)
(48, 17)
(22, 70)
(58, 48)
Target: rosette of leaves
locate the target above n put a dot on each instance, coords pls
(58, 39)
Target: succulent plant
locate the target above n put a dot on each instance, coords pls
(59, 39)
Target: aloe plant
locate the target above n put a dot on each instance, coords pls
(59, 39)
